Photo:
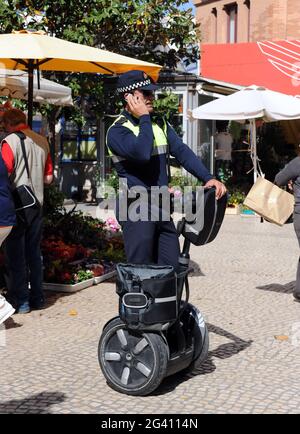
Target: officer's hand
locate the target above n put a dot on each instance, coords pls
(136, 106)
(220, 188)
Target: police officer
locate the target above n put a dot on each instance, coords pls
(138, 144)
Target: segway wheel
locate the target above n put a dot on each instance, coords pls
(201, 349)
(197, 330)
(132, 362)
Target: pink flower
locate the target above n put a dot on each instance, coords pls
(177, 193)
(112, 224)
(110, 221)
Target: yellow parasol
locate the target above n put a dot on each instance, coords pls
(30, 50)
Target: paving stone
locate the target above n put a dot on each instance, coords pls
(243, 284)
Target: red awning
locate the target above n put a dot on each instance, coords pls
(275, 65)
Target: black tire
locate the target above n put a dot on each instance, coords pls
(194, 367)
(198, 332)
(132, 362)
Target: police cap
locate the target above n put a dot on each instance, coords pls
(132, 80)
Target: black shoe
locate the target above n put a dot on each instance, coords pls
(37, 305)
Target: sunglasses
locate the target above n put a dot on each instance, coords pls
(147, 92)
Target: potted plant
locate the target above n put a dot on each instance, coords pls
(70, 280)
(236, 198)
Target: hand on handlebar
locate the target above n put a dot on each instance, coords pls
(220, 187)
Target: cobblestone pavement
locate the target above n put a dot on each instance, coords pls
(242, 283)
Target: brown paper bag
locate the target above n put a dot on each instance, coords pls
(270, 201)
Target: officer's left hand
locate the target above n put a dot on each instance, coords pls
(220, 188)
(137, 105)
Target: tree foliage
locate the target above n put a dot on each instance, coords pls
(153, 30)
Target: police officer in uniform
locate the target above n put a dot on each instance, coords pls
(137, 143)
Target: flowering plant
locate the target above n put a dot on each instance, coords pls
(82, 275)
(112, 224)
(236, 197)
(175, 192)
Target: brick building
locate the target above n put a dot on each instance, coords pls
(226, 21)
(246, 42)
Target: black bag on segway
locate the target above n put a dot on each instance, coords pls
(206, 229)
(148, 295)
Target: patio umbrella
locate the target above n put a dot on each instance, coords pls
(14, 84)
(36, 51)
(251, 103)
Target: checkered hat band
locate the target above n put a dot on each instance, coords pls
(134, 86)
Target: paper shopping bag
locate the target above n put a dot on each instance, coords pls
(269, 201)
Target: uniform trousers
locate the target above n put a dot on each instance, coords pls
(151, 242)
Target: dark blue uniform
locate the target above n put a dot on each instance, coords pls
(150, 242)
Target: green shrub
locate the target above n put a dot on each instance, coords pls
(183, 181)
(53, 201)
(166, 105)
(112, 180)
(176, 181)
(236, 197)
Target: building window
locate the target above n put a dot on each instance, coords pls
(215, 24)
(231, 11)
(78, 144)
(247, 4)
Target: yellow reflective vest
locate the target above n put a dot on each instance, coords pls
(160, 138)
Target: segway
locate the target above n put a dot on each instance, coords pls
(157, 333)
